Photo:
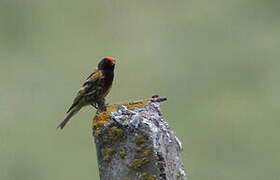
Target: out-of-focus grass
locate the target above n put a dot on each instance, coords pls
(217, 62)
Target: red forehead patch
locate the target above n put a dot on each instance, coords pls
(110, 59)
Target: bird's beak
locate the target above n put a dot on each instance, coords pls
(113, 62)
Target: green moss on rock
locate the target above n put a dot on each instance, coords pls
(138, 149)
(148, 152)
(136, 164)
(145, 176)
(115, 133)
(108, 154)
(122, 154)
(152, 177)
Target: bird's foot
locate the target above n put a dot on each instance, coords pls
(101, 105)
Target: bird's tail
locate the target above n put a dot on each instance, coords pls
(70, 113)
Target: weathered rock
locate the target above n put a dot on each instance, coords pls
(133, 142)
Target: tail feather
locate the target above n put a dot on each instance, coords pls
(72, 106)
(70, 113)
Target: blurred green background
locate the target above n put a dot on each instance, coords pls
(216, 61)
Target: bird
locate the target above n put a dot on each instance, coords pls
(94, 89)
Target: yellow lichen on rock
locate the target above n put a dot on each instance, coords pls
(144, 176)
(136, 164)
(108, 154)
(136, 104)
(115, 133)
(148, 152)
(103, 117)
(122, 154)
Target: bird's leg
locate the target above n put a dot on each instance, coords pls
(101, 104)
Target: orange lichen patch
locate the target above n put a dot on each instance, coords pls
(102, 118)
(136, 104)
(111, 108)
(131, 105)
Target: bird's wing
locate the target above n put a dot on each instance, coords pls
(97, 74)
(89, 87)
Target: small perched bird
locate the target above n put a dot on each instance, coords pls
(94, 89)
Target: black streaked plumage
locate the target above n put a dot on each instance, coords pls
(94, 89)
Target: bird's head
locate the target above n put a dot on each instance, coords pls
(107, 63)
